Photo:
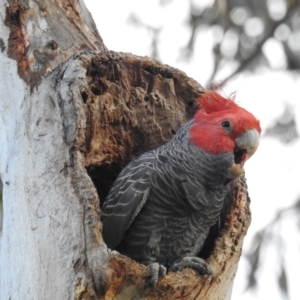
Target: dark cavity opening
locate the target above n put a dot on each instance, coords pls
(103, 177)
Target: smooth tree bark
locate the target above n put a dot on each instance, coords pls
(72, 115)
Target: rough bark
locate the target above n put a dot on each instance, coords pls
(72, 115)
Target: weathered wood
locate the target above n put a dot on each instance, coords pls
(49, 217)
(44, 34)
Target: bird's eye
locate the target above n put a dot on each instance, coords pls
(226, 124)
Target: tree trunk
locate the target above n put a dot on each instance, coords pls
(72, 115)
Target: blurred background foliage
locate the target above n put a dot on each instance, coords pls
(244, 31)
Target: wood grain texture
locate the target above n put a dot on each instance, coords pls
(44, 34)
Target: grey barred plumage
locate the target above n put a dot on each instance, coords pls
(164, 202)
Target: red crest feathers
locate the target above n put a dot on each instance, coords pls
(207, 131)
(212, 102)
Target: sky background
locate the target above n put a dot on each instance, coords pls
(273, 174)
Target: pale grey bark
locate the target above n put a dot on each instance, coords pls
(50, 241)
(48, 233)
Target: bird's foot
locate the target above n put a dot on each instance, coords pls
(196, 263)
(157, 271)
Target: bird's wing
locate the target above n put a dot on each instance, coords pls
(195, 194)
(126, 198)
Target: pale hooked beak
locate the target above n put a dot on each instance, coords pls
(246, 145)
(249, 141)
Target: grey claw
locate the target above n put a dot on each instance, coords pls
(196, 263)
(157, 271)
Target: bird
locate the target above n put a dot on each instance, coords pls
(163, 203)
